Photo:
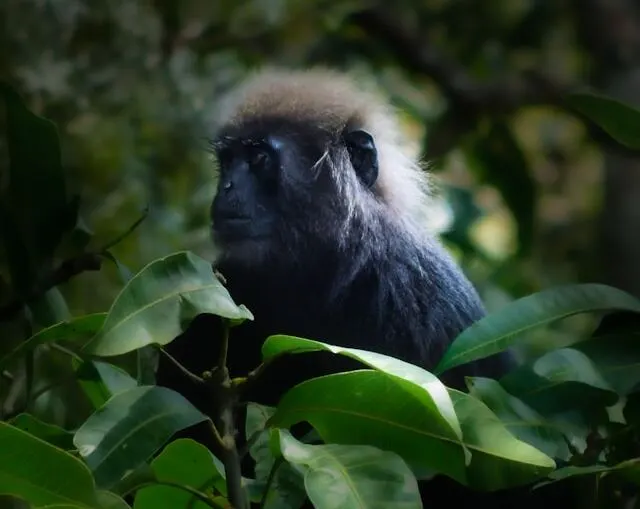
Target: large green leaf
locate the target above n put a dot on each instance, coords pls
(42, 474)
(520, 419)
(132, 426)
(420, 383)
(78, 329)
(629, 467)
(498, 459)
(498, 331)
(286, 485)
(101, 380)
(352, 476)
(559, 380)
(374, 408)
(186, 463)
(617, 358)
(36, 195)
(619, 120)
(109, 500)
(50, 433)
(158, 302)
(49, 309)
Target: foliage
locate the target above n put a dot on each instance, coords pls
(567, 413)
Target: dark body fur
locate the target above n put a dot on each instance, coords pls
(396, 298)
(344, 263)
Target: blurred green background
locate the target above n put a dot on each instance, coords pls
(530, 195)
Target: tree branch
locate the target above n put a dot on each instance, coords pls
(65, 271)
(415, 53)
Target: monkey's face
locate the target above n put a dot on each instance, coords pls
(243, 208)
(280, 190)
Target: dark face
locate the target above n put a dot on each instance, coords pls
(270, 192)
(246, 197)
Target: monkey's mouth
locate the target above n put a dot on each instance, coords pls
(231, 220)
(236, 228)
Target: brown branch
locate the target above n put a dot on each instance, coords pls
(63, 273)
(67, 270)
(414, 52)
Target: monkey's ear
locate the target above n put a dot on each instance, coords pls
(363, 155)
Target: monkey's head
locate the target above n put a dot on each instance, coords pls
(308, 161)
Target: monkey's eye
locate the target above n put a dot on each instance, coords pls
(258, 158)
(261, 160)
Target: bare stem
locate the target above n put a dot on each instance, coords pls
(224, 349)
(191, 376)
(127, 232)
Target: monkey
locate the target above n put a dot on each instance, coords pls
(320, 219)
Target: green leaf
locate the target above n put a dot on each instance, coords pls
(498, 331)
(617, 359)
(497, 159)
(158, 302)
(133, 425)
(36, 191)
(101, 380)
(50, 309)
(520, 419)
(628, 467)
(373, 408)
(559, 380)
(50, 433)
(184, 462)
(286, 486)
(498, 459)
(619, 120)
(40, 473)
(109, 500)
(423, 385)
(256, 424)
(338, 476)
(77, 329)
(147, 359)
(134, 480)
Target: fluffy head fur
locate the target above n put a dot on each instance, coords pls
(331, 101)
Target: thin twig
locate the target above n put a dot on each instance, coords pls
(66, 351)
(245, 383)
(191, 376)
(216, 434)
(224, 349)
(127, 232)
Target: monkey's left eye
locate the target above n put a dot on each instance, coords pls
(260, 159)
